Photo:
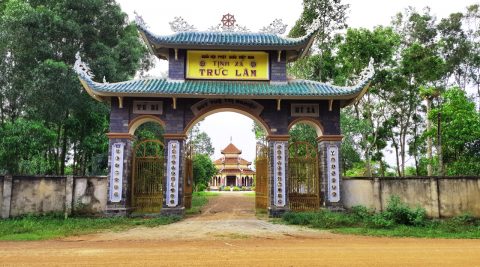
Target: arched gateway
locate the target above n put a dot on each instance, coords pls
(217, 70)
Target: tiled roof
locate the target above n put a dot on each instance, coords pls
(242, 39)
(231, 149)
(231, 161)
(199, 88)
(243, 171)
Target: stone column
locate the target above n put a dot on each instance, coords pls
(330, 171)
(119, 174)
(278, 174)
(7, 196)
(173, 203)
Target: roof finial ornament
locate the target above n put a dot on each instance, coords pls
(231, 139)
(180, 25)
(139, 20)
(82, 68)
(367, 73)
(228, 25)
(276, 27)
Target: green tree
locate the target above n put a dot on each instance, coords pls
(38, 41)
(203, 170)
(200, 141)
(460, 124)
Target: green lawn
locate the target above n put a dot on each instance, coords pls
(199, 199)
(55, 226)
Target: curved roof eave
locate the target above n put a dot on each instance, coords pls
(225, 40)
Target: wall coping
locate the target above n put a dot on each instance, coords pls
(54, 177)
(413, 178)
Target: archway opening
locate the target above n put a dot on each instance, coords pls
(225, 160)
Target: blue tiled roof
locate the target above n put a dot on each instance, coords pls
(225, 39)
(196, 88)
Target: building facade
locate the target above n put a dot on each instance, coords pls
(226, 68)
(233, 170)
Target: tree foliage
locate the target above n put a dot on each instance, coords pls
(203, 170)
(39, 90)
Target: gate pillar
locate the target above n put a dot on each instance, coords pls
(330, 171)
(173, 199)
(278, 171)
(119, 174)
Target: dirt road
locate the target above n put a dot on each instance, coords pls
(228, 234)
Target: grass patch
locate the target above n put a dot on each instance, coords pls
(34, 227)
(249, 194)
(398, 220)
(199, 199)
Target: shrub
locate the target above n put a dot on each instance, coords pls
(252, 188)
(227, 188)
(400, 213)
(361, 212)
(220, 188)
(236, 188)
(244, 188)
(201, 187)
(465, 219)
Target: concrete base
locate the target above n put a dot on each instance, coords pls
(276, 212)
(117, 212)
(180, 211)
(335, 207)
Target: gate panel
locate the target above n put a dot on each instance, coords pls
(188, 178)
(147, 176)
(261, 179)
(303, 178)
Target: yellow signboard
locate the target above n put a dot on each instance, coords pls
(227, 65)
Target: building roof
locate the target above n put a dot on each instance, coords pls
(298, 89)
(242, 171)
(160, 44)
(231, 149)
(232, 161)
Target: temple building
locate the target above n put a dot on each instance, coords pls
(233, 170)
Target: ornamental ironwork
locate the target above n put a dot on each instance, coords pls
(228, 24)
(276, 27)
(180, 25)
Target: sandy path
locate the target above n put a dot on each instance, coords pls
(228, 234)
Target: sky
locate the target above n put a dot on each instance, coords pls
(255, 14)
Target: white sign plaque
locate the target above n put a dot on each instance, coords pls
(116, 174)
(305, 110)
(279, 174)
(148, 107)
(173, 172)
(333, 174)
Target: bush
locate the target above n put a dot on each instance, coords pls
(201, 187)
(227, 188)
(220, 188)
(400, 213)
(252, 188)
(465, 219)
(236, 188)
(361, 212)
(244, 188)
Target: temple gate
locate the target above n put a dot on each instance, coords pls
(225, 69)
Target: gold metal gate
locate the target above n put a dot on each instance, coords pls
(261, 179)
(303, 178)
(148, 176)
(188, 177)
